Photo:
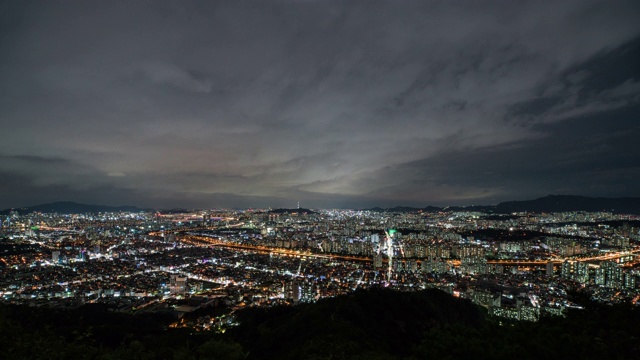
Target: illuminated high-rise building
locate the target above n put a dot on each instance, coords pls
(629, 281)
(178, 284)
(549, 269)
(609, 275)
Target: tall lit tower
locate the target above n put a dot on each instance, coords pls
(389, 233)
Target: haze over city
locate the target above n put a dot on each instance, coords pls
(331, 103)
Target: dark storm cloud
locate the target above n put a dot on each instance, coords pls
(333, 103)
(585, 155)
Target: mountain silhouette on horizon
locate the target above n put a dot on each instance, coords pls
(70, 207)
(549, 203)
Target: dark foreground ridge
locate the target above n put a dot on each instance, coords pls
(367, 324)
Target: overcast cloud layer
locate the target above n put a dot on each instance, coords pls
(330, 103)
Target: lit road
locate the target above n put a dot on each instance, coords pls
(611, 256)
(208, 241)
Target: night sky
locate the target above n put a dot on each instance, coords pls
(331, 103)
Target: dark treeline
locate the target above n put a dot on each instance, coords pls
(368, 324)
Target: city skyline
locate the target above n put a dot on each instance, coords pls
(332, 104)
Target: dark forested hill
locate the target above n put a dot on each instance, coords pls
(367, 324)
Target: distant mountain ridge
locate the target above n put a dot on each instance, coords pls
(561, 203)
(292, 211)
(70, 207)
(549, 203)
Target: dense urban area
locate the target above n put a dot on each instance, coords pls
(519, 266)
